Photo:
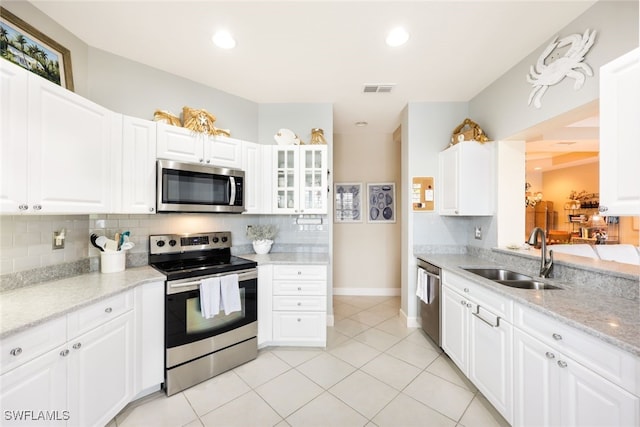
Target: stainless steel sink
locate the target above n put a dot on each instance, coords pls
(498, 274)
(510, 278)
(526, 284)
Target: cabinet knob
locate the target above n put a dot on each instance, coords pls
(151, 209)
(299, 319)
(37, 207)
(299, 273)
(550, 355)
(208, 161)
(16, 351)
(64, 353)
(456, 212)
(299, 303)
(469, 305)
(562, 363)
(299, 288)
(557, 337)
(201, 160)
(603, 208)
(23, 207)
(77, 346)
(463, 302)
(108, 310)
(466, 289)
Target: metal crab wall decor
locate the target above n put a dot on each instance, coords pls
(571, 64)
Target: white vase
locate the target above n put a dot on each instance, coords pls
(262, 246)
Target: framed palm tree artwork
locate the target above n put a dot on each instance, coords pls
(29, 48)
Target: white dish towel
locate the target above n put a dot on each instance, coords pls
(230, 291)
(210, 297)
(424, 286)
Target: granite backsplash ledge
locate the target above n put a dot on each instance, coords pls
(615, 279)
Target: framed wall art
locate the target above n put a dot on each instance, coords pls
(29, 48)
(381, 202)
(348, 202)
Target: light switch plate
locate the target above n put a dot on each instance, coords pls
(478, 233)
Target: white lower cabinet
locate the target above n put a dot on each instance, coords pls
(478, 341)
(83, 369)
(562, 377)
(101, 372)
(299, 304)
(35, 388)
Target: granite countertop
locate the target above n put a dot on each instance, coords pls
(29, 306)
(613, 319)
(289, 258)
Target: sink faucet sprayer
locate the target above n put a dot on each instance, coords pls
(546, 265)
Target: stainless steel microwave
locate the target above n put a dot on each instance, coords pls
(186, 187)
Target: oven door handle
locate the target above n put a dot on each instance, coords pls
(242, 276)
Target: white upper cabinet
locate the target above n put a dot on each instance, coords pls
(619, 130)
(136, 192)
(300, 179)
(256, 164)
(13, 142)
(467, 179)
(64, 162)
(184, 145)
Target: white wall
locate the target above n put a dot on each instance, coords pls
(501, 109)
(367, 158)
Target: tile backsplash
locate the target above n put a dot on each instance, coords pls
(26, 241)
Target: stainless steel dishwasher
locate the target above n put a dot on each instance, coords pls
(430, 312)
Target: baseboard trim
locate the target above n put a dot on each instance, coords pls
(369, 292)
(411, 322)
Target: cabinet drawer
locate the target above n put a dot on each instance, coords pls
(492, 301)
(300, 272)
(24, 346)
(617, 365)
(299, 328)
(96, 314)
(299, 288)
(300, 303)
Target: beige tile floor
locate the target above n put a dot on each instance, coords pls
(374, 372)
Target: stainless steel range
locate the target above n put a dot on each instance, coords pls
(198, 348)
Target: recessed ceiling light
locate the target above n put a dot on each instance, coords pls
(224, 40)
(361, 124)
(397, 37)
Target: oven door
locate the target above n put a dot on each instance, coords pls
(184, 323)
(185, 187)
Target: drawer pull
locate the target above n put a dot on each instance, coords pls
(108, 310)
(466, 289)
(299, 319)
(16, 351)
(299, 288)
(550, 355)
(299, 273)
(299, 303)
(463, 302)
(562, 363)
(64, 353)
(557, 337)
(77, 346)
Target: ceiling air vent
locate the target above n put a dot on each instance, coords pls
(379, 88)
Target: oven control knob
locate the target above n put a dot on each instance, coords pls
(172, 242)
(160, 243)
(216, 240)
(224, 239)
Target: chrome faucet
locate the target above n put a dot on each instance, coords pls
(546, 265)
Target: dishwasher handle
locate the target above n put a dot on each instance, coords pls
(428, 273)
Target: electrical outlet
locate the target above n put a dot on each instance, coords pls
(478, 233)
(58, 240)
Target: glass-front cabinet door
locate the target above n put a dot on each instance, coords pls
(313, 181)
(300, 174)
(286, 179)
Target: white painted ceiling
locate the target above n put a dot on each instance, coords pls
(325, 51)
